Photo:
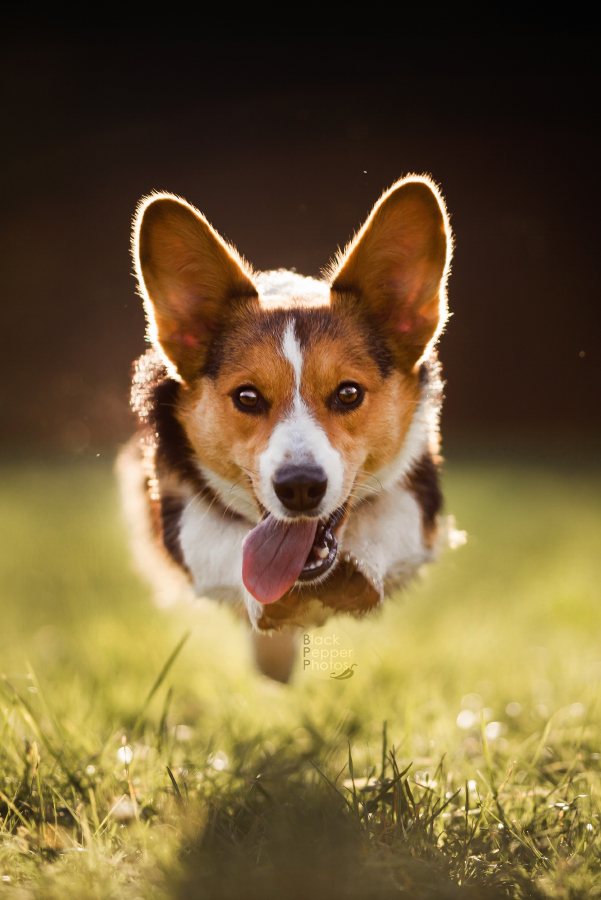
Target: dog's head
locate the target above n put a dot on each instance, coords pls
(295, 392)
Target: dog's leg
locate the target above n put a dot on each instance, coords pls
(275, 652)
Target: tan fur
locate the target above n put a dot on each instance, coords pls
(369, 437)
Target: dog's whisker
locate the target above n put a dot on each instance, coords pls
(369, 475)
(356, 502)
(243, 500)
(251, 471)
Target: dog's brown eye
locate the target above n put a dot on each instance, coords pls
(348, 393)
(348, 396)
(248, 399)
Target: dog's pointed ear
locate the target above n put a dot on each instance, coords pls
(189, 278)
(394, 271)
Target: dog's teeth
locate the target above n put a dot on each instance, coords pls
(322, 552)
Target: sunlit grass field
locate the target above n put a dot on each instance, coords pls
(142, 756)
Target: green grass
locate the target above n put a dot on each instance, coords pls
(239, 787)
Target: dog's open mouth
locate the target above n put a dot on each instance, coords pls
(276, 554)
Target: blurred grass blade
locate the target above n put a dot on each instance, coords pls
(42, 697)
(332, 785)
(31, 718)
(161, 677)
(541, 744)
(391, 784)
(178, 793)
(438, 810)
(352, 774)
(163, 721)
(486, 750)
(13, 808)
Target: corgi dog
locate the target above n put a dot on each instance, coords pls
(288, 447)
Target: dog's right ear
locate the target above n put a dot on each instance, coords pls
(189, 278)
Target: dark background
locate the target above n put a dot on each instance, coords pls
(285, 149)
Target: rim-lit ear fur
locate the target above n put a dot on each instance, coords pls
(189, 278)
(394, 271)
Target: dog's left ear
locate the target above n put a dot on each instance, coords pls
(394, 272)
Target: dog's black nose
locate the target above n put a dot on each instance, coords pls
(300, 488)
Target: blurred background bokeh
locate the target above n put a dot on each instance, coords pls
(285, 148)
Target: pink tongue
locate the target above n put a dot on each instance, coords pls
(273, 555)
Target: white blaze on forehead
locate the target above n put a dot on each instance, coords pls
(291, 349)
(298, 439)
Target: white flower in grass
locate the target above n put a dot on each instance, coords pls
(125, 754)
